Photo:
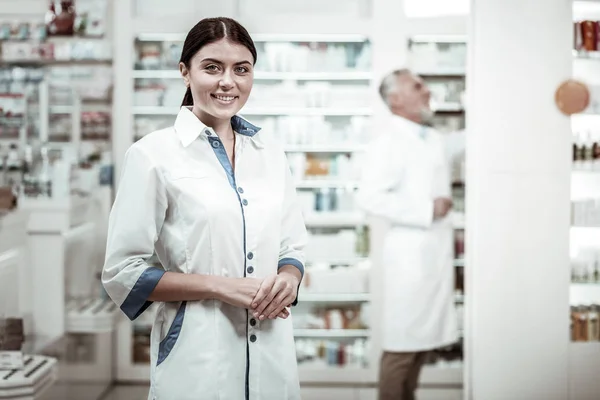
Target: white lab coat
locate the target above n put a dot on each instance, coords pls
(179, 197)
(405, 169)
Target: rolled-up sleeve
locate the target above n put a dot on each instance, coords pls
(293, 229)
(135, 222)
(382, 192)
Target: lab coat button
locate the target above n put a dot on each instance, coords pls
(215, 144)
(240, 190)
(253, 338)
(252, 322)
(250, 270)
(250, 256)
(245, 202)
(207, 132)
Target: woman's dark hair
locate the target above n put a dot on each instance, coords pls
(210, 30)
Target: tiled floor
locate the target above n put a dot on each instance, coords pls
(95, 392)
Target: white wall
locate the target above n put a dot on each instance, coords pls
(518, 171)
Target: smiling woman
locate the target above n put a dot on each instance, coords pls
(217, 61)
(214, 198)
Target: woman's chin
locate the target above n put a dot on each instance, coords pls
(222, 114)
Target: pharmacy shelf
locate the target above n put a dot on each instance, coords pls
(334, 297)
(340, 261)
(332, 333)
(333, 219)
(308, 111)
(584, 293)
(91, 316)
(269, 75)
(323, 374)
(263, 37)
(584, 364)
(448, 107)
(325, 183)
(340, 219)
(458, 219)
(431, 375)
(341, 148)
(104, 108)
(438, 39)
(268, 111)
(441, 375)
(37, 377)
(441, 72)
(586, 55)
(40, 62)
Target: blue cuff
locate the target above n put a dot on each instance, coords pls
(294, 262)
(137, 299)
(297, 264)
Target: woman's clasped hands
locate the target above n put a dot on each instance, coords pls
(266, 298)
(276, 293)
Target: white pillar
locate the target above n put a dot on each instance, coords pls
(518, 174)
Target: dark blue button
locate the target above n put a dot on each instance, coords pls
(250, 256)
(215, 144)
(240, 190)
(207, 132)
(245, 202)
(253, 338)
(250, 270)
(252, 322)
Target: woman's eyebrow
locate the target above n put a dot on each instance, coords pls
(221, 62)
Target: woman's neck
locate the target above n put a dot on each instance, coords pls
(222, 127)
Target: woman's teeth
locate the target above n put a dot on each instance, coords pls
(224, 98)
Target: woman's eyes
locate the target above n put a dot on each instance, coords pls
(216, 68)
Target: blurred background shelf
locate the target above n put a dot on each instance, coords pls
(331, 333)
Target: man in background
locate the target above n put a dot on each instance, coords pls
(406, 181)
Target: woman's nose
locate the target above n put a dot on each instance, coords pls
(226, 80)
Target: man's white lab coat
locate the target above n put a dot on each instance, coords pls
(405, 169)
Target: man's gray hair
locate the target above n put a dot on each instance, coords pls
(388, 83)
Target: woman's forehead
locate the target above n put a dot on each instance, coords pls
(224, 51)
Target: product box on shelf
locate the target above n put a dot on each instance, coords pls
(331, 279)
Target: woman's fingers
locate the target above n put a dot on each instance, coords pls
(284, 313)
(259, 311)
(264, 290)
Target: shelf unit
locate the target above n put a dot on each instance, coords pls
(267, 29)
(585, 183)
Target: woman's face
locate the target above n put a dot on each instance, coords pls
(220, 77)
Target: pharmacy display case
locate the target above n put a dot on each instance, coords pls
(22, 375)
(585, 209)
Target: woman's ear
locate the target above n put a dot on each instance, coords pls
(185, 74)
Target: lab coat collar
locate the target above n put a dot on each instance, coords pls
(189, 127)
(408, 125)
